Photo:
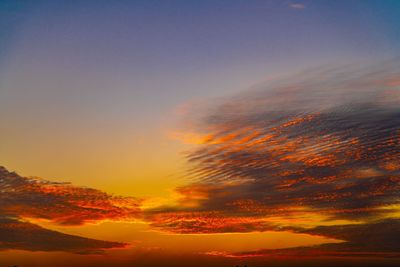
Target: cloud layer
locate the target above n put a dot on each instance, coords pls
(315, 153)
(318, 148)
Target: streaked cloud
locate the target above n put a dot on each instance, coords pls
(377, 239)
(316, 149)
(24, 198)
(61, 203)
(315, 153)
(297, 6)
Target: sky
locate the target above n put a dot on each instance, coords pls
(201, 132)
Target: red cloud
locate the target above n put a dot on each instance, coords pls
(61, 203)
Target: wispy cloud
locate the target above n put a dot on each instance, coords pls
(321, 147)
(314, 153)
(297, 5)
(61, 203)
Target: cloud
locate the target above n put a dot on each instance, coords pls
(315, 153)
(60, 203)
(206, 222)
(297, 6)
(15, 234)
(328, 140)
(376, 239)
(380, 236)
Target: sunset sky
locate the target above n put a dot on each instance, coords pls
(192, 133)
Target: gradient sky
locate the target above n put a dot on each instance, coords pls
(112, 94)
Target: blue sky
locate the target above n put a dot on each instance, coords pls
(112, 67)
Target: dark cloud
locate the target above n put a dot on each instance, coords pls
(344, 162)
(323, 144)
(60, 203)
(325, 139)
(15, 234)
(381, 236)
(375, 239)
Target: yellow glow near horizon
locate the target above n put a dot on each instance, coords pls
(140, 235)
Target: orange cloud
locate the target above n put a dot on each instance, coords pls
(321, 148)
(61, 203)
(33, 198)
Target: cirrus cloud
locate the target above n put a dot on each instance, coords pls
(317, 149)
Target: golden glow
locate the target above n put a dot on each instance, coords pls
(142, 236)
